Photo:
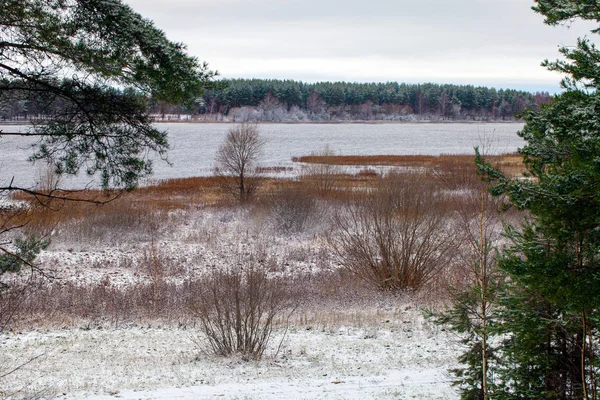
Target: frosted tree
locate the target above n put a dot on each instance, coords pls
(551, 320)
(236, 161)
(90, 68)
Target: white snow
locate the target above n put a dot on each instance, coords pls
(367, 350)
(408, 358)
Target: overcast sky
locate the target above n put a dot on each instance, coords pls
(497, 43)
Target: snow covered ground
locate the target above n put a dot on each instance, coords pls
(366, 350)
(405, 358)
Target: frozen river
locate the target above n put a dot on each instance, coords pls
(193, 146)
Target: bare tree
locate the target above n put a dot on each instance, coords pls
(395, 237)
(315, 103)
(236, 161)
(444, 101)
(269, 102)
(271, 107)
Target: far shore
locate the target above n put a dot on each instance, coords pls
(367, 122)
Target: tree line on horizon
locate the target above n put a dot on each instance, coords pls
(281, 100)
(390, 100)
(272, 100)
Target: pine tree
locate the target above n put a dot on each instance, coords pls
(474, 312)
(552, 301)
(90, 67)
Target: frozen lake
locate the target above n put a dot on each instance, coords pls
(193, 146)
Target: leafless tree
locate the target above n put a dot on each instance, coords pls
(271, 106)
(365, 110)
(420, 103)
(444, 101)
(315, 103)
(395, 237)
(269, 102)
(237, 158)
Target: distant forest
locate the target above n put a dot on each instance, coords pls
(239, 100)
(288, 101)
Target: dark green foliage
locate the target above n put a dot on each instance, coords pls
(469, 378)
(427, 98)
(88, 68)
(475, 317)
(550, 310)
(541, 352)
(465, 319)
(26, 250)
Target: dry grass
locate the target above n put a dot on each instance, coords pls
(324, 299)
(507, 162)
(453, 174)
(199, 192)
(126, 209)
(135, 216)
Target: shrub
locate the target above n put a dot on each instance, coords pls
(237, 309)
(395, 236)
(292, 210)
(322, 177)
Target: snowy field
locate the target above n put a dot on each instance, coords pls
(402, 359)
(375, 347)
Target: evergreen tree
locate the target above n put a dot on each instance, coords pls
(26, 250)
(89, 67)
(476, 102)
(474, 313)
(93, 64)
(550, 322)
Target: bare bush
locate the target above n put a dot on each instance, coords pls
(117, 222)
(236, 159)
(237, 309)
(292, 210)
(322, 177)
(395, 236)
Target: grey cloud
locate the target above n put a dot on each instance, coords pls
(426, 31)
(265, 10)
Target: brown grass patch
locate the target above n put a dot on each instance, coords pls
(507, 162)
(445, 172)
(139, 216)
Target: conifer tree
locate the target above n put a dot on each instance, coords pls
(474, 312)
(550, 308)
(89, 67)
